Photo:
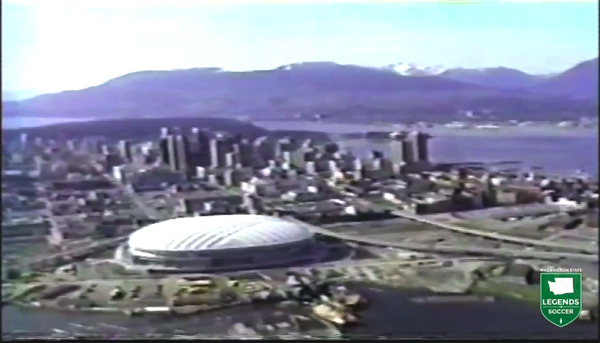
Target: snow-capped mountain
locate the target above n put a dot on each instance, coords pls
(412, 69)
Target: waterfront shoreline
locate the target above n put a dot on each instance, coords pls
(533, 130)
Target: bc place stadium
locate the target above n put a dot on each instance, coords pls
(219, 243)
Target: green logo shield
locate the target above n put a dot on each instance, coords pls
(560, 297)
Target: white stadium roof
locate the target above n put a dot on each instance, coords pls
(217, 232)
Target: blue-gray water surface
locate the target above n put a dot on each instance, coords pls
(555, 150)
(391, 314)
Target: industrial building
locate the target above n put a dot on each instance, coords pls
(219, 243)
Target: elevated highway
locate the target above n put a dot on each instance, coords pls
(580, 249)
(97, 246)
(468, 250)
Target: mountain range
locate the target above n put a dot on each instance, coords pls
(580, 81)
(340, 92)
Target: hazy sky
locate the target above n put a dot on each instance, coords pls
(52, 45)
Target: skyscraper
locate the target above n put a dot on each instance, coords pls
(164, 132)
(125, 150)
(194, 143)
(423, 146)
(163, 146)
(23, 140)
(396, 148)
(220, 146)
(182, 149)
(200, 148)
(172, 152)
(245, 152)
(214, 152)
(409, 148)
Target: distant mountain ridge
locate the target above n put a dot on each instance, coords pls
(500, 77)
(341, 92)
(581, 81)
(16, 95)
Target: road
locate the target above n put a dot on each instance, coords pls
(581, 249)
(577, 249)
(454, 250)
(148, 211)
(74, 252)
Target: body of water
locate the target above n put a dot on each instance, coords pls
(21, 123)
(556, 151)
(391, 314)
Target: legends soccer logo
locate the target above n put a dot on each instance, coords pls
(560, 297)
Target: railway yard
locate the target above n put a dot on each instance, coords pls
(65, 213)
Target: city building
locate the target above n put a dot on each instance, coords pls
(396, 148)
(182, 149)
(172, 152)
(219, 147)
(410, 148)
(163, 147)
(200, 154)
(220, 242)
(423, 147)
(125, 150)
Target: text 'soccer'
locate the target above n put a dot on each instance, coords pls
(560, 297)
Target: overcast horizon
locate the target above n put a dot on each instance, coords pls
(66, 45)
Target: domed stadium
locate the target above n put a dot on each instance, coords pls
(218, 243)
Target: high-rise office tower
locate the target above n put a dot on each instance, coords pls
(357, 166)
(286, 157)
(396, 149)
(194, 155)
(280, 147)
(245, 153)
(105, 149)
(423, 146)
(194, 143)
(230, 160)
(200, 148)
(126, 150)
(163, 147)
(263, 150)
(219, 147)
(408, 151)
(182, 148)
(172, 152)
(71, 145)
(23, 140)
(164, 132)
(214, 152)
